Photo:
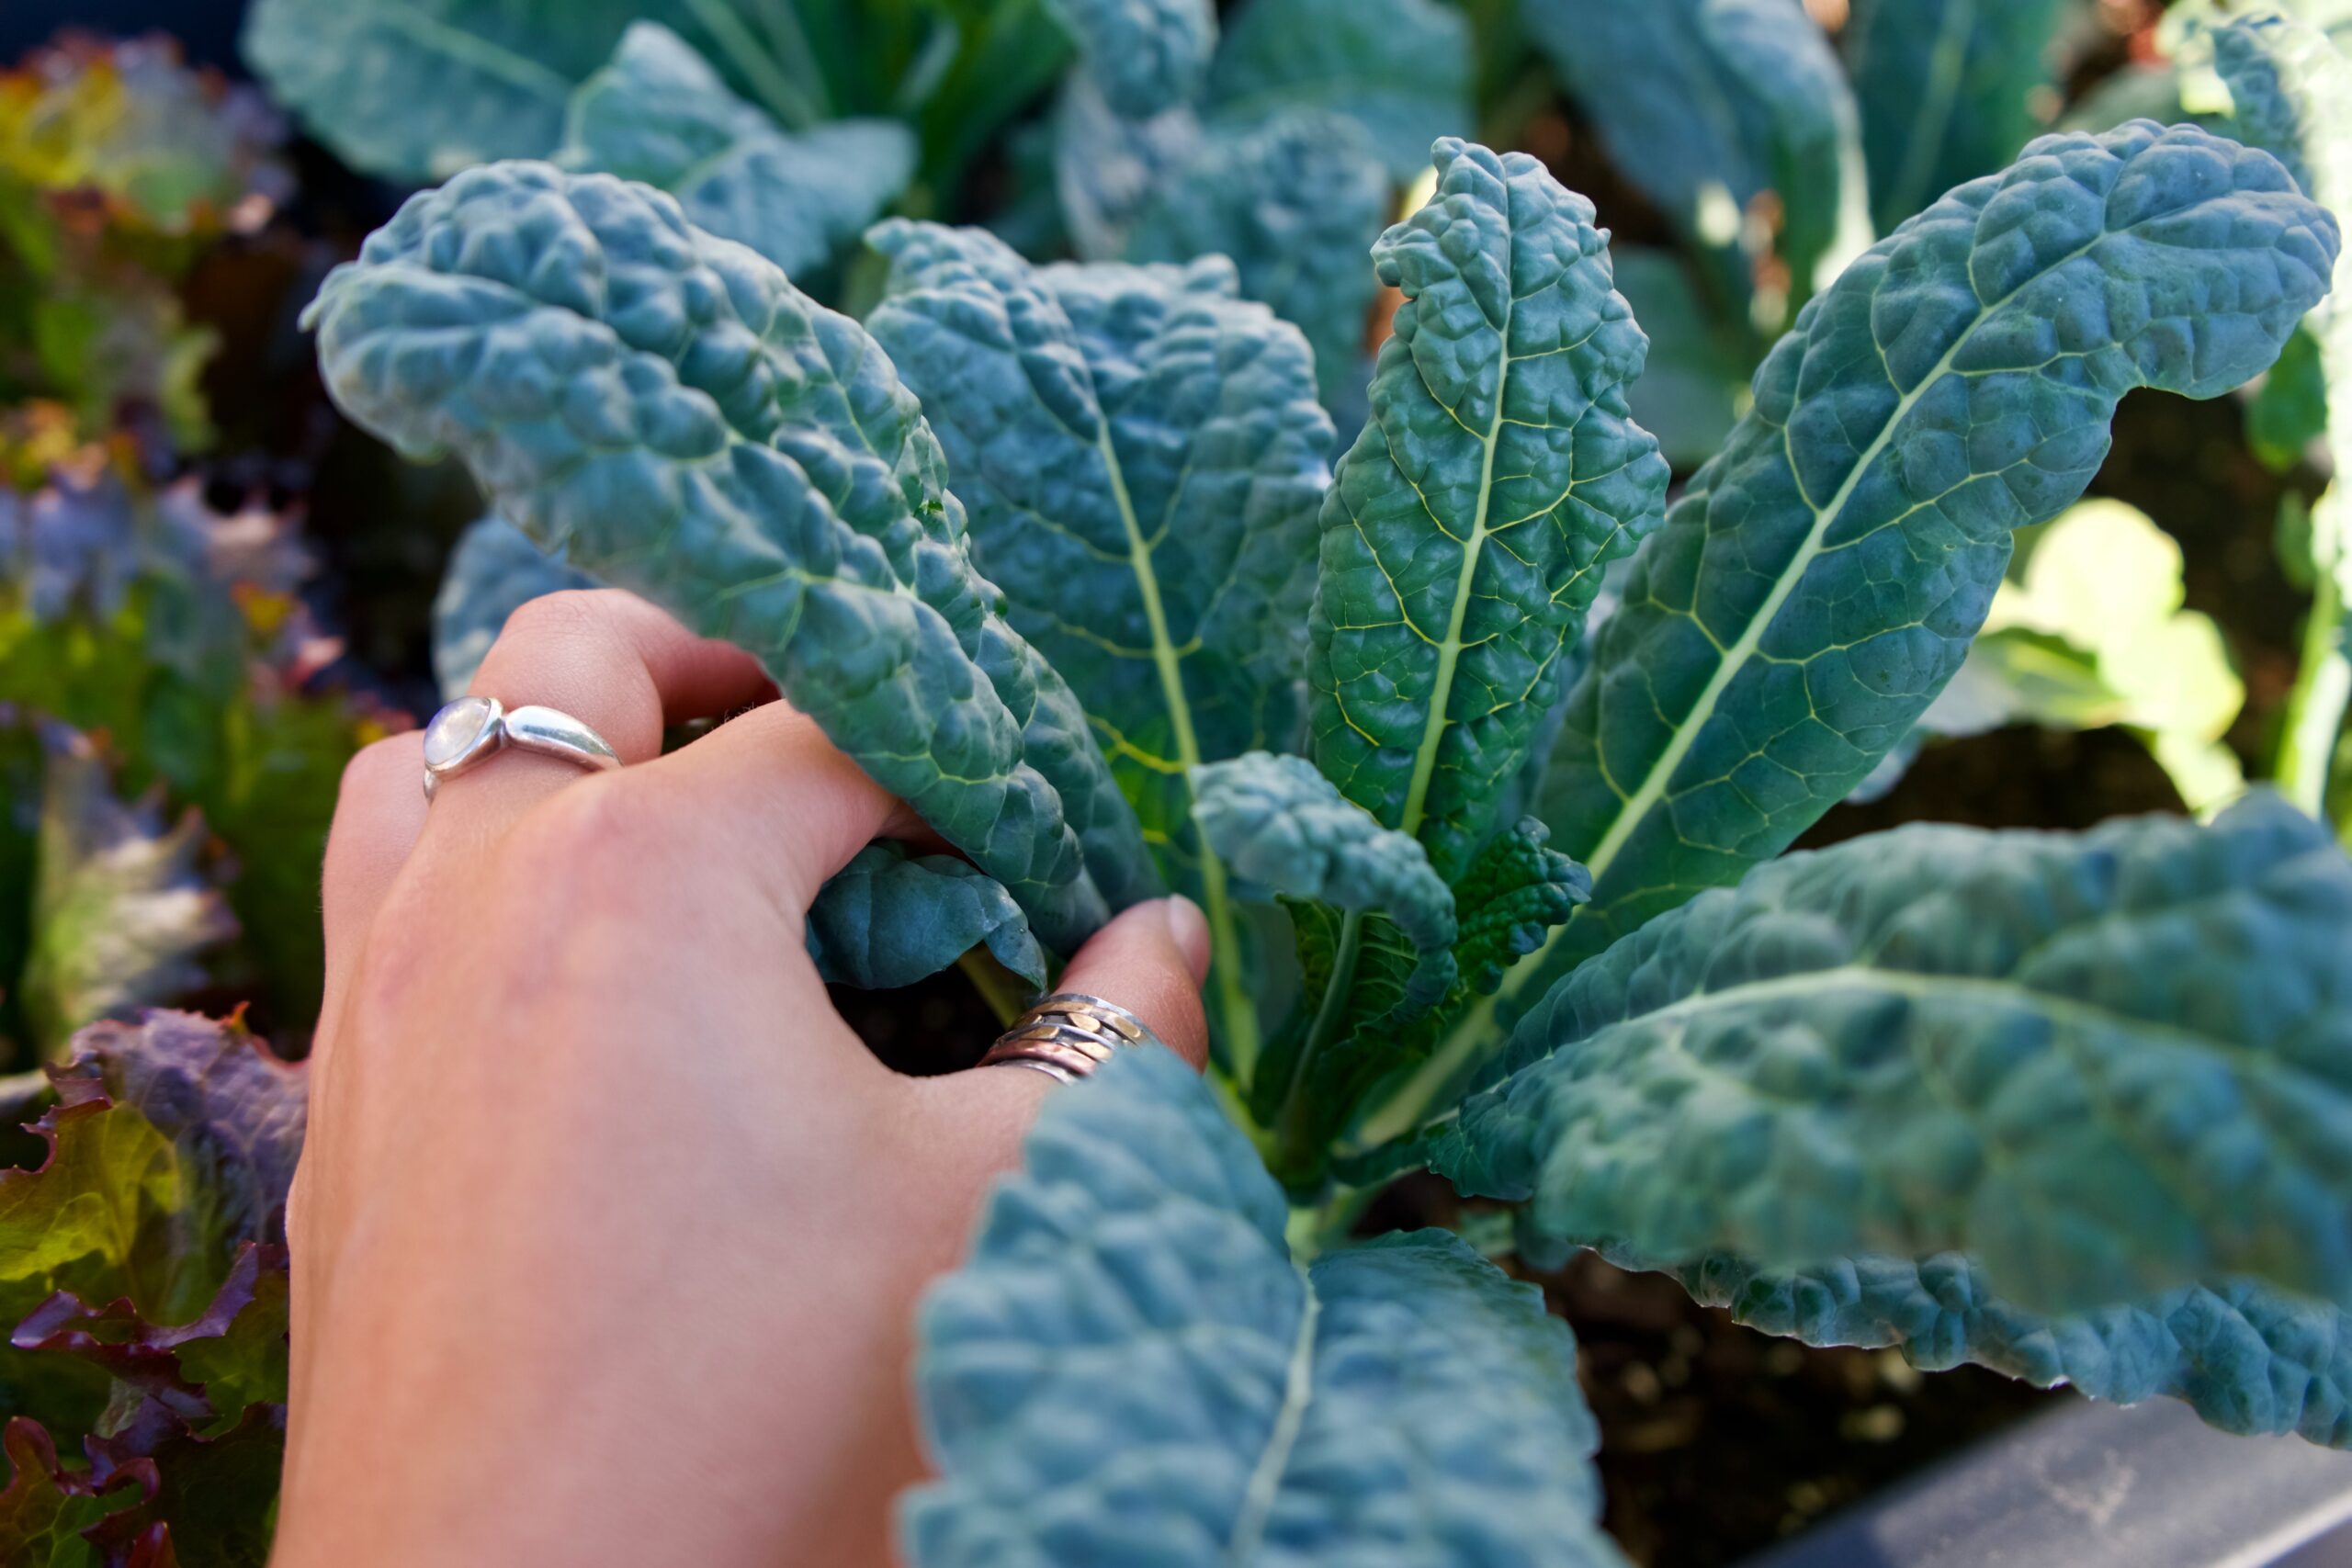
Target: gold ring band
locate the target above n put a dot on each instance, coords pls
(1067, 1036)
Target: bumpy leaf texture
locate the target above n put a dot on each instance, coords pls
(1294, 203)
(1142, 455)
(1131, 1366)
(494, 572)
(1146, 55)
(659, 113)
(1107, 167)
(1282, 828)
(670, 414)
(1465, 536)
(2104, 1064)
(888, 918)
(1948, 90)
(1708, 104)
(1512, 896)
(2291, 88)
(1399, 67)
(121, 912)
(1819, 581)
(2247, 1359)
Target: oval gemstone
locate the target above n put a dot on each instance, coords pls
(454, 729)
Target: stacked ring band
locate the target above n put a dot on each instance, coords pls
(1067, 1036)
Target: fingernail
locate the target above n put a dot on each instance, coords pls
(1191, 930)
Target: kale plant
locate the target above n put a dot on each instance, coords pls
(1072, 556)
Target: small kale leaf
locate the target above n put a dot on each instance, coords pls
(1131, 1356)
(2104, 1064)
(890, 918)
(670, 414)
(1282, 828)
(1512, 896)
(1499, 473)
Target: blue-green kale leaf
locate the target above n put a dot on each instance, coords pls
(1399, 67)
(1499, 473)
(890, 918)
(1142, 457)
(1131, 1366)
(1819, 581)
(1294, 203)
(494, 572)
(2104, 1065)
(1282, 828)
(1949, 90)
(659, 113)
(1708, 106)
(666, 411)
(1144, 55)
(2246, 1358)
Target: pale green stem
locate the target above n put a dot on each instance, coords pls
(1005, 991)
(2315, 708)
(1235, 1013)
(784, 98)
(782, 24)
(1319, 1033)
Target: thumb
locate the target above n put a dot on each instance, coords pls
(966, 1127)
(1151, 960)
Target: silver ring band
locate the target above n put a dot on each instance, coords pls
(1068, 1035)
(471, 731)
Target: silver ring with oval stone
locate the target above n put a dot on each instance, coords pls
(471, 731)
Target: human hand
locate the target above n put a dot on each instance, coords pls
(607, 1232)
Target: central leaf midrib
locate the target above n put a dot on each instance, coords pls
(1298, 1390)
(1448, 652)
(1234, 1006)
(1406, 1109)
(489, 57)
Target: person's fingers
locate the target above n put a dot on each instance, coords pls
(378, 812)
(611, 661)
(769, 796)
(1151, 960)
(966, 1127)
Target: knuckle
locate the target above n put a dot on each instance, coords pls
(557, 617)
(593, 831)
(397, 761)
